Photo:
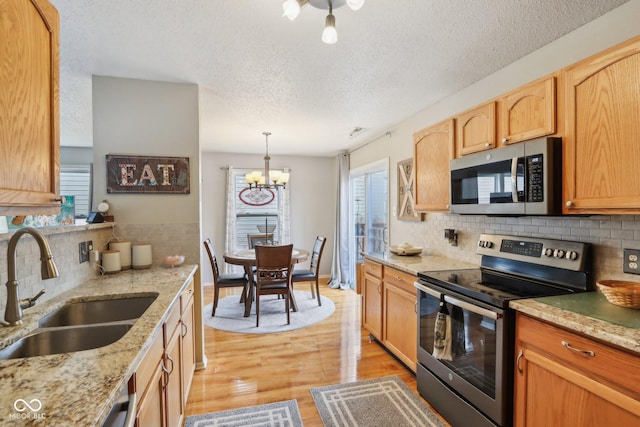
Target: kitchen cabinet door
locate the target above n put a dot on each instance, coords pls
(188, 357)
(29, 112)
(558, 383)
(529, 111)
(476, 129)
(433, 149)
(602, 141)
(372, 300)
(151, 407)
(400, 317)
(174, 380)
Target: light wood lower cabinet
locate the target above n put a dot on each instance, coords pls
(566, 379)
(400, 317)
(372, 298)
(163, 378)
(389, 310)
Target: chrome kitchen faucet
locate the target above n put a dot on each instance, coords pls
(13, 311)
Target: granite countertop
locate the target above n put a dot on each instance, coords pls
(588, 313)
(413, 264)
(80, 388)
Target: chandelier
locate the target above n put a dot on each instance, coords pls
(291, 10)
(270, 179)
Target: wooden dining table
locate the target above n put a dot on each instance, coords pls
(247, 259)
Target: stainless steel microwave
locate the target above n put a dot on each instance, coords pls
(520, 179)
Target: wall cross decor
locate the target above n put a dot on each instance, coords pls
(406, 192)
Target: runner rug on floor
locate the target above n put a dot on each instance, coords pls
(381, 402)
(279, 414)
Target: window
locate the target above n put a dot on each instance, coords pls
(256, 213)
(369, 207)
(77, 180)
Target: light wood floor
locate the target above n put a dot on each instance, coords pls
(248, 369)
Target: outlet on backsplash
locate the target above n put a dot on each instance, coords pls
(631, 261)
(84, 248)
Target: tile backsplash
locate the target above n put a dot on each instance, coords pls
(608, 234)
(166, 239)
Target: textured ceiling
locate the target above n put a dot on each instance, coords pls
(259, 71)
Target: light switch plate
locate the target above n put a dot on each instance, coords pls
(631, 262)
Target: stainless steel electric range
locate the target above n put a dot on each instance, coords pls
(474, 387)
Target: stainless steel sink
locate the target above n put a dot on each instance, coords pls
(100, 311)
(65, 340)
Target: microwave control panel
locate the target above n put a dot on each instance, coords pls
(535, 180)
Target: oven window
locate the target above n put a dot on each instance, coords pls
(472, 344)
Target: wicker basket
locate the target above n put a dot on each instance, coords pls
(618, 292)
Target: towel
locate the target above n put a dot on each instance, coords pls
(442, 333)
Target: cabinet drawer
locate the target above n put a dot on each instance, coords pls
(373, 268)
(187, 296)
(400, 278)
(172, 323)
(610, 365)
(148, 365)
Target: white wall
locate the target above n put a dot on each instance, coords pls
(609, 233)
(141, 117)
(313, 186)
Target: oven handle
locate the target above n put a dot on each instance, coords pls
(462, 304)
(514, 179)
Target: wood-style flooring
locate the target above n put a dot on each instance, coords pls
(247, 369)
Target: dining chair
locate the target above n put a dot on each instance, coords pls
(234, 280)
(273, 275)
(311, 275)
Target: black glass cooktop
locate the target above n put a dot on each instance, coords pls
(491, 287)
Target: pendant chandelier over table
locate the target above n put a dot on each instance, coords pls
(291, 10)
(271, 178)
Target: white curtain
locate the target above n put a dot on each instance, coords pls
(230, 243)
(340, 264)
(284, 216)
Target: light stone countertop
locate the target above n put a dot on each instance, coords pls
(413, 264)
(80, 388)
(588, 313)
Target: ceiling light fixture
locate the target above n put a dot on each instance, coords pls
(271, 179)
(291, 9)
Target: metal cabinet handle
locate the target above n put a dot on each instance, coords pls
(166, 375)
(379, 290)
(505, 139)
(569, 203)
(520, 354)
(570, 347)
(131, 411)
(186, 329)
(487, 144)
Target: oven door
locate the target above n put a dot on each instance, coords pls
(478, 369)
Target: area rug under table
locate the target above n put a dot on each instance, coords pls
(380, 402)
(279, 414)
(273, 317)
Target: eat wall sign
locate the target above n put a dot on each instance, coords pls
(147, 174)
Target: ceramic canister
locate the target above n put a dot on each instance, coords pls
(124, 246)
(141, 255)
(111, 261)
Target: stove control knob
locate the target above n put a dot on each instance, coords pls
(548, 252)
(572, 255)
(481, 243)
(488, 244)
(559, 253)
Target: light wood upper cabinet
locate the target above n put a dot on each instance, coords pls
(476, 129)
(433, 149)
(29, 117)
(565, 379)
(602, 141)
(529, 111)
